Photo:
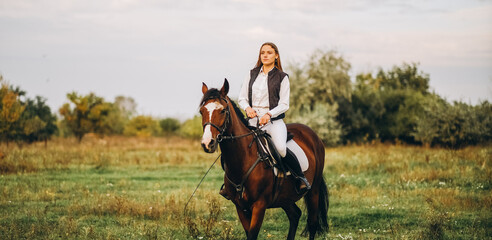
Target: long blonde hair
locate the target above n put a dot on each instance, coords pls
(278, 64)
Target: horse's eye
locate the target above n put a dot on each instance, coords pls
(223, 111)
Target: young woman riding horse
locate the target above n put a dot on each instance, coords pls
(249, 182)
(265, 95)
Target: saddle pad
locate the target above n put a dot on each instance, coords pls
(301, 156)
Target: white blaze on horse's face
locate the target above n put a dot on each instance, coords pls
(207, 132)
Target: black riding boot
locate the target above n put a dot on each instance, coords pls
(291, 161)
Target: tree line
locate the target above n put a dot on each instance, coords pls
(25, 120)
(394, 105)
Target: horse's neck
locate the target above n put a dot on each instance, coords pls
(236, 153)
(237, 127)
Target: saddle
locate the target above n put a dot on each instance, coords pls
(270, 154)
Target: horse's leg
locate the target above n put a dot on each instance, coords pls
(258, 213)
(293, 213)
(245, 218)
(312, 204)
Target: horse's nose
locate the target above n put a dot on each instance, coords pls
(210, 146)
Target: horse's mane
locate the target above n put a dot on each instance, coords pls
(214, 93)
(239, 113)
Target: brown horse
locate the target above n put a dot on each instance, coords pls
(252, 183)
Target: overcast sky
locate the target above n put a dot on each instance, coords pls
(159, 51)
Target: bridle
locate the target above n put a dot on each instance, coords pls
(224, 126)
(221, 136)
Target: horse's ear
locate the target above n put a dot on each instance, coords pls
(204, 88)
(225, 88)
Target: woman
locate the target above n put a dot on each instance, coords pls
(265, 95)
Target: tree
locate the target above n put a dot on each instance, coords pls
(426, 129)
(120, 112)
(324, 79)
(483, 122)
(86, 114)
(360, 116)
(316, 90)
(11, 109)
(38, 122)
(405, 77)
(126, 105)
(115, 120)
(387, 105)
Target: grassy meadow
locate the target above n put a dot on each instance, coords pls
(131, 188)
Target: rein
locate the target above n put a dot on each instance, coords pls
(222, 137)
(200, 183)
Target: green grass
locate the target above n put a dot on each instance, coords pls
(130, 188)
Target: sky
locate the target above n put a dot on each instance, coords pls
(160, 51)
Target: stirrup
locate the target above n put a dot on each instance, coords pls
(306, 182)
(304, 186)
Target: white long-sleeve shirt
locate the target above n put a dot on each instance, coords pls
(260, 99)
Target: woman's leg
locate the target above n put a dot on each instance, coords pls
(278, 131)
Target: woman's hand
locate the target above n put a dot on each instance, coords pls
(264, 120)
(250, 112)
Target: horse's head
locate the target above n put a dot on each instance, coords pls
(214, 109)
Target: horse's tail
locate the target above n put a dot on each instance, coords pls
(321, 225)
(324, 204)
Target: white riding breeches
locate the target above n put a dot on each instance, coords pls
(278, 131)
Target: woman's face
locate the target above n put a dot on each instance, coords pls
(267, 55)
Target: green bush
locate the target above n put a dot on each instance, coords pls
(453, 125)
(192, 128)
(142, 126)
(169, 125)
